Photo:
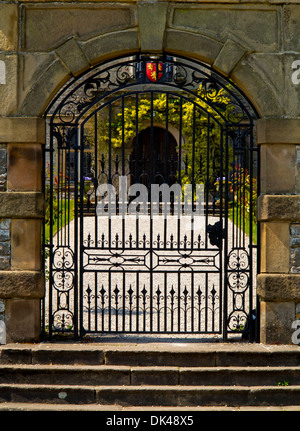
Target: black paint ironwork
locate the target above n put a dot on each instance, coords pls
(152, 121)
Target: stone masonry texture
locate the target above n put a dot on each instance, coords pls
(4, 244)
(295, 248)
(3, 167)
(44, 43)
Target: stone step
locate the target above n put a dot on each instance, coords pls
(123, 375)
(151, 354)
(180, 396)
(110, 410)
(170, 375)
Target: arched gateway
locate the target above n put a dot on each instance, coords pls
(151, 185)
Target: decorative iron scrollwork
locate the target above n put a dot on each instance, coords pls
(237, 321)
(156, 309)
(238, 259)
(63, 258)
(63, 320)
(197, 80)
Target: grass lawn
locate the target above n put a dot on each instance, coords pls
(66, 214)
(242, 222)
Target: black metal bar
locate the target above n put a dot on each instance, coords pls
(225, 282)
(81, 232)
(76, 215)
(51, 245)
(96, 183)
(223, 259)
(207, 181)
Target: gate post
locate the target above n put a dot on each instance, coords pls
(279, 215)
(21, 213)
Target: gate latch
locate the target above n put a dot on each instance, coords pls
(216, 233)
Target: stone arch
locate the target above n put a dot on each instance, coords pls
(73, 58)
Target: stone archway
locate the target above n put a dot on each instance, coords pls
(246, 61)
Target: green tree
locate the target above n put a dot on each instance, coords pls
(196, 119)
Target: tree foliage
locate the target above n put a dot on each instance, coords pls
(201, 143)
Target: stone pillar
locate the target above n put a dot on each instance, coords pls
(21, 213)
(279, 215)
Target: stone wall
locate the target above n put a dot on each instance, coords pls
(21, 211)
(44, 43)
(5, 254)
(295, 248)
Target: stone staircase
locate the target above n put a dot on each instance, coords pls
(95, 376)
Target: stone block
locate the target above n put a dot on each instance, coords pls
(259, 91)
(295, 248)
(22, 319)
(36, 100)
(246, 26)
(9, 90)
(277, 168)
(26, 244)
(47, 27)
(295, 260)
(291, 90)
(4, 248)
(279, 287)
(2, 182)
(8, 27)
(198, 46)
(4, 263)
(32, 65)
(72, 56)
(21, 284)
(276, 322)
(275, 247)
(152, 19)
(3, 161)
(2, 306)
(4, 235)
(21, 205)
(297, 173)
(278, 131)
(2, 332)
(278, 208)
(295, 242)
(276, 69)
(291, 27)
(22, 130)
(270, 69)
(24, 167)
(228, 57)
(109, 45)
(5, 224)
(295, 230)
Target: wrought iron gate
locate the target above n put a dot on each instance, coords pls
(151, 175)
